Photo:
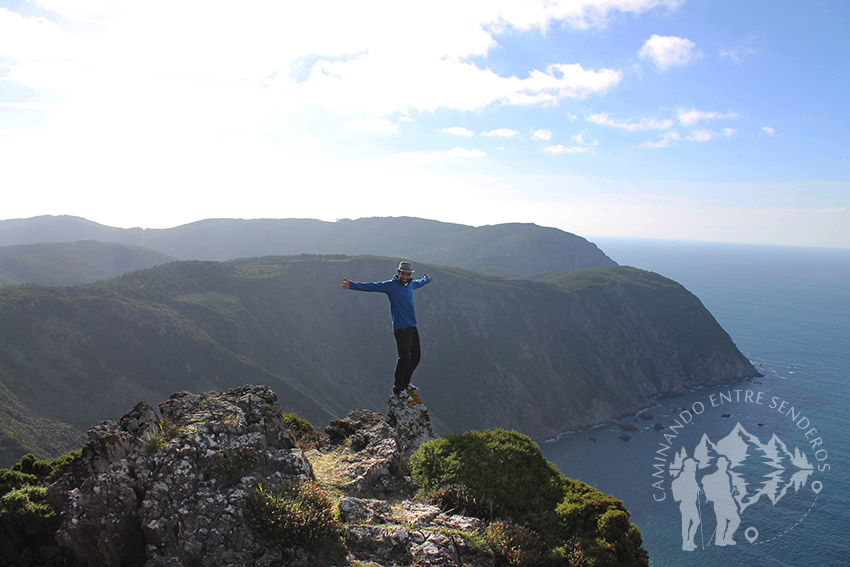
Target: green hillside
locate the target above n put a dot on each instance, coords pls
(536, 357)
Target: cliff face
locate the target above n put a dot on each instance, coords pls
(539, 357)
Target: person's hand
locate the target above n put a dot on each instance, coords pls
(344, 284)
(429, 277)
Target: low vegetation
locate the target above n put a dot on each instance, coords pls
(538, 516)
(26, 518)
(300, 514)
(306, 436)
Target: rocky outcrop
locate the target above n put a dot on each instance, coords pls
(410, 422)
(152, 489)
(172, 488)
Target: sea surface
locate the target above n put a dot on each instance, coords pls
(788, 310)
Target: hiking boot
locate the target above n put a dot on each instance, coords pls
(401, 394)
(411, 388)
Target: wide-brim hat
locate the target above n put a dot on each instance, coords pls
(405, 267)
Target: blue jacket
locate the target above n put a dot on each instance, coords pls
(400, 296)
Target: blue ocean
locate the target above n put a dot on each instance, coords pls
(785, 435)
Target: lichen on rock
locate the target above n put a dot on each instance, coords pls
(174, 485)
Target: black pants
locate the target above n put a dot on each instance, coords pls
(409, 353)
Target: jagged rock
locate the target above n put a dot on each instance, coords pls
(370, 460)
(164, 491)
(364, 510)
(645, 415)
(385, 546)
(170, 488)
(458, 522)
(422, 536)
(372, 448)
(411, 422)
(417, 514)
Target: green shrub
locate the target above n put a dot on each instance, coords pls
(26, 511)
(61, 465)
(298, 515)
(302, 430)
(32, 471)
(503, 472)
(27, 521)
(600, 527)
(547, 519)
(13, 480)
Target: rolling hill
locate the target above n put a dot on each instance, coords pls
(511, 250)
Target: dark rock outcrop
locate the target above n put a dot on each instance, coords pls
(171, 488)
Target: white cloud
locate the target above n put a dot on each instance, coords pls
(545, 135)
(561, 149)
(669, 51)
(500, 133)
(458, 131)
(768, 130)
(281, 56)
(605, 119)
(371, 126)
(667, 139)
(571, 81)
(692, 116)
(701, 135)
(582, 142)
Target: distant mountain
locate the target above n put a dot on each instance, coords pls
(539, 357)
(510, 250)
(68, 263)
(63, 228)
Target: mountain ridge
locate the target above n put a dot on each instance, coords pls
(521, 250)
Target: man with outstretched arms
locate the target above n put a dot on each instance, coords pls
(399, 290)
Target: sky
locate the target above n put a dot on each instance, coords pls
(703, 120)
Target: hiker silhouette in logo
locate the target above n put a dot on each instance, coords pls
(686, 491)
(718, 489)
(399, 290)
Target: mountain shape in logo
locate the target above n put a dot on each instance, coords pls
(756, 469)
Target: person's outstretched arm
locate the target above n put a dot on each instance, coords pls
(426, 279)
(364, 286)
